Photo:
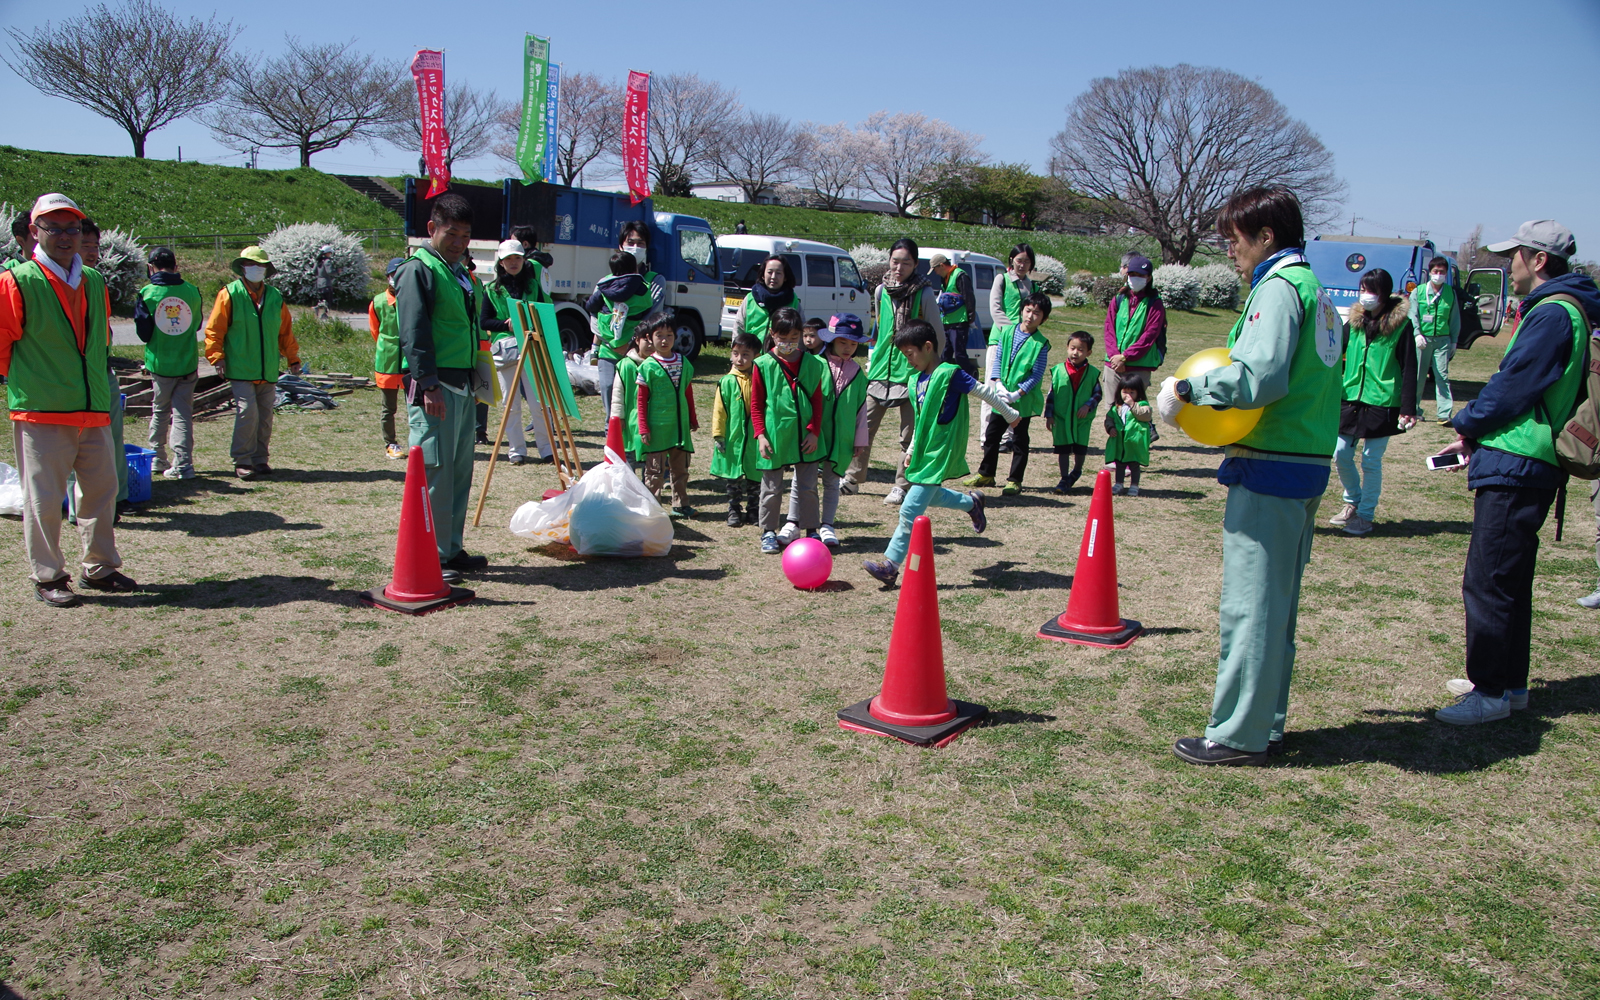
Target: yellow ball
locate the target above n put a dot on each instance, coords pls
(1203, 423)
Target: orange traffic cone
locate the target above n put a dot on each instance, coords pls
(1091, 618)
(913, 706)
(418, 586)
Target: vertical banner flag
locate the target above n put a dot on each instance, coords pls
(532, 137)
(636, 136)
(552, 118)
(428, 70)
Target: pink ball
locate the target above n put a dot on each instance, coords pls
(807, 563)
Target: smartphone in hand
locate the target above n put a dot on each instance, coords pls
(1451, 461)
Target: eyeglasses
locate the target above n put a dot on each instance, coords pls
(52, 231)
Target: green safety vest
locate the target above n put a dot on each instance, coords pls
(1131, 443)
(1305, 421)
(1530, 435)
(758, 318)
(1010, 300)
(454, 316)
(1433, 318)
(840, 410)
(628, 372)
(737, 457)
(667, 414)
(49, 372)
(788, 409)
(620, 323)
(250, 345)
(1068, 427)
(174, 350)
(938, 451)
(961, 313)
(387, 358)
(1372, 368)
(1128, 328)
(500, 301)
(885, 362)
(1015, 365)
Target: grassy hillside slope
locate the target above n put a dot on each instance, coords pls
(156, 198)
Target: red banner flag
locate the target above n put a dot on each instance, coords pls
(636, 136)
(428, 70)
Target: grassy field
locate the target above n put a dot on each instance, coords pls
(623, 778)
(158, 198)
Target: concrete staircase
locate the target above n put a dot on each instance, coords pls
(378, 189)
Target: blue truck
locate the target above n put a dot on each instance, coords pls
(579, 228)
(1340, 261)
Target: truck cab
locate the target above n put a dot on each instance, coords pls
(579, 228)
(826, 280)
(1340, 261)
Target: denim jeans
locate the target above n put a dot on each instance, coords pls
(918, 499)
(1361, 488)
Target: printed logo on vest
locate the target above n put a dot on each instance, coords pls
(173, 316)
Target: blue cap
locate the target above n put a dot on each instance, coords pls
(394, 265)
(846, 326)
(1139, 264)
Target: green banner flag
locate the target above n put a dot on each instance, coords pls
(532, 138)
(529, 339)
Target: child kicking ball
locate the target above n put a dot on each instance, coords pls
(938, 441)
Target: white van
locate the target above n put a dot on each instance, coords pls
(984, 270)
(826, 278)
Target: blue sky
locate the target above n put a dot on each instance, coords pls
(1437, 114)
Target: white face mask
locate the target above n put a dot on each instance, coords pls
(639, 254)
(1369, 300)
(254, 272)
(1137, 282)
(1436, 278)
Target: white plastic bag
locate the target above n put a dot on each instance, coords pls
(614, 515)
(10, 490)
(543, 521)
(584, 377)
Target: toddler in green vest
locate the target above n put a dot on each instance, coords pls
(786, 413)
(938, 451)
(844, 414)
(665, 408)
(622, 430)
(167, 317)
(1128, 434)
(1018, 366)
(734, 459)
(1070, 406)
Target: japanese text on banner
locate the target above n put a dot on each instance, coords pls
(636, 136)
(532, 138)
(428, 70)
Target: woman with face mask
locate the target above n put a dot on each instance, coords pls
(773, 290)
(1135, 330)
(1380, 395)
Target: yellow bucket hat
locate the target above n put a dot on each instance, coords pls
(253, 255)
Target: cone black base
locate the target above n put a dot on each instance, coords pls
(377, 599)
(1122, 638)
(858, 718)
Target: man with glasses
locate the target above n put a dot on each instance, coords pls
(54, 341)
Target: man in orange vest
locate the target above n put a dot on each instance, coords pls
(54, 341)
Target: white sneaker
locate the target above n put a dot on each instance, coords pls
(177, 473)
(829, 538)
(1592, 602)
(1459, 686)
(788, 533)
(1345, 513)
(1472, 709)
(895, 498)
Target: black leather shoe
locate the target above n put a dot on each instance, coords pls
(451, 577)
(57, 593)
(1275, 748)
(112, 582)
(1199, 750)
(464, 563)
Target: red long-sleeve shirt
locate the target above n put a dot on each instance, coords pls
(758, 397)
(1155, 321)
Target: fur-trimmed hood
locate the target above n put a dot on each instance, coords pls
(1391, 321)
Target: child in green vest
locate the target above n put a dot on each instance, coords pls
(811, 337)
(665, 408)
(938, 451)
(1018, 366)
(622, 430)
(734, 458)
(844, 413)
(1380, 385)
(1128, 434)
(786, 413)
(166, 317)
(1070, 406)
(388, 363)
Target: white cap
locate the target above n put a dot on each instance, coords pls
(508, 248)
(48, 203)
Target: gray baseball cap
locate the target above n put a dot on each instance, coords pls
(1547, 235)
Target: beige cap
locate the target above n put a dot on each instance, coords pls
(48, 203)
(938, 260)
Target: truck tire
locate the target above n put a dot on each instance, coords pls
(575, 333)
(691, 334)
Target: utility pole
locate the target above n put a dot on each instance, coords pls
(1352, 225)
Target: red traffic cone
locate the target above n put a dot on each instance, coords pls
(1091, 618)
(418, 586)
(614, 435)
(913, 706)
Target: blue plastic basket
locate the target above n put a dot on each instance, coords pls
(139, 463)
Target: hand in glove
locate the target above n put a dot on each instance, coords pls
(1167, 402)
(1421, 341)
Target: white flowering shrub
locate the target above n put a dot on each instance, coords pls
(9, 249)
(1055, 274)
(122, 264)
(1178, 285)
(1219, 286)
(871, 261)
(1083, 279)
(293, 250)
(1074, 295)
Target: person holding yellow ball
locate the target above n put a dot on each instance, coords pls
(1285, 352)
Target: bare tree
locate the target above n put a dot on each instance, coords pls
(759, 152)
(902, 153)
(137, 65)
(688, 116)
(312, 98)
(832, 162)
(588, 121)
(1164, 147)
(473, 119)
